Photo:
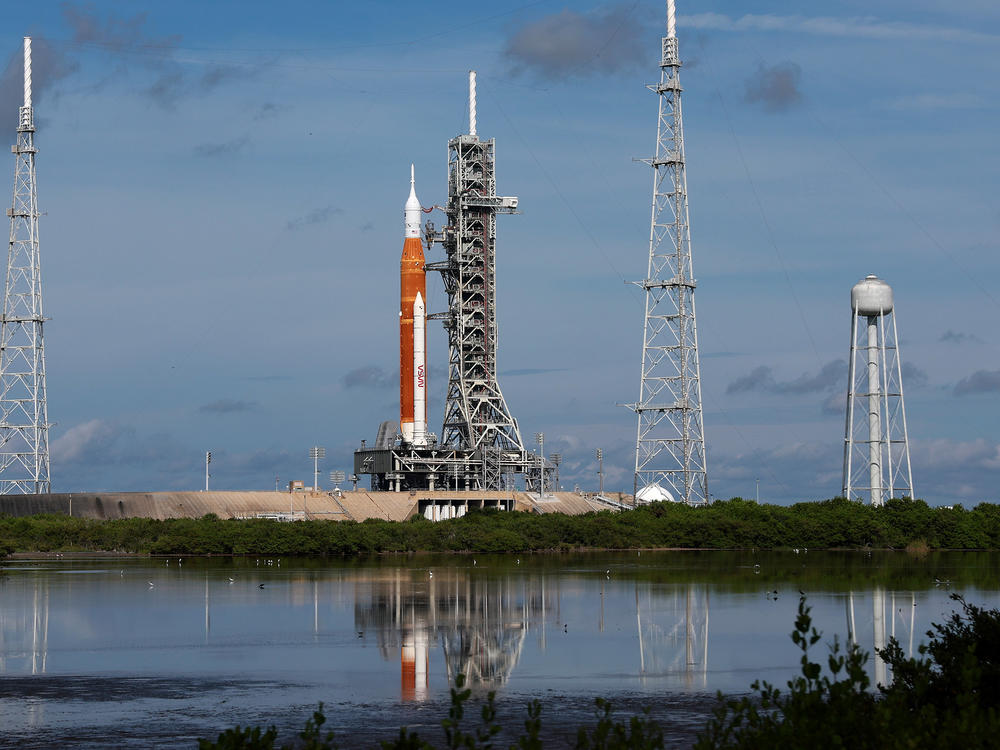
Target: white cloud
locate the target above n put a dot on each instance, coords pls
(82, 440)
(951, 455)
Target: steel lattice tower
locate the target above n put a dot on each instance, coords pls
(876, 446)
(24, 434)
(476, 416)
(670, 443)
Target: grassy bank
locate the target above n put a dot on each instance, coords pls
(723, 525)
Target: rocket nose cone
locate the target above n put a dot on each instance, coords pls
(412, 201)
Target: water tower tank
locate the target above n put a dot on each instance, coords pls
(871, 296)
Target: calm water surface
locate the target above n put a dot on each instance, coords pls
(157, 653)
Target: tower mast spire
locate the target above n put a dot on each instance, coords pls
(24, 435)
(670, 442)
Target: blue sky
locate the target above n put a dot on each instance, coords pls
(223, 186)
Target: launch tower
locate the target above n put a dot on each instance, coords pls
(876, 448)
(24, 428)
(481, 446)
(670, 442)
(476, 416)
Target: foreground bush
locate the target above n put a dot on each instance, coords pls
(947, 697)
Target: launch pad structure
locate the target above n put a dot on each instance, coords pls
(481, 447)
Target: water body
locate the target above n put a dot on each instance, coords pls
(160, 652)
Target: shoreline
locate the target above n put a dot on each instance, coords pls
(97, 554)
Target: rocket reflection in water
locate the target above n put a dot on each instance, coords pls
(481, 623)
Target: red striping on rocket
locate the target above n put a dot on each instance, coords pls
(412, 288)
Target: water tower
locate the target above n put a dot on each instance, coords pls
(876, 450)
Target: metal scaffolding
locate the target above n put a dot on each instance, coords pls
(24, 435)
(481, 446)
(670, 443)
(476, 417)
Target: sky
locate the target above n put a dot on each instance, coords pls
(222, 187)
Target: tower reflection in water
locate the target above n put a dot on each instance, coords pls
(902, 608)
(673, 632)
(480, 622)
(24, 633)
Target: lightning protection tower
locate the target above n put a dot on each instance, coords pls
(670, 442)
(476, 416)
(876, 449)
(24, 435)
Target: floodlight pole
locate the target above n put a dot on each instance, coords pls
(600, 471)
(540, 439)
(316, 453)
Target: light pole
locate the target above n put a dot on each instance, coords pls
(316, 453)
(600, 472)
(758, 491)
(540, 439)
(208, 460)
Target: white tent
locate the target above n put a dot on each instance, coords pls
(653, 493)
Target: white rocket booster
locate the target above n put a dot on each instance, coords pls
(419, 372)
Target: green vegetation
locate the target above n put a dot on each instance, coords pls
(948, 696)
(735, 524)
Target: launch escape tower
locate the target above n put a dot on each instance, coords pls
(24, 436)
(876, 447)
(670, 442)
(481, 446)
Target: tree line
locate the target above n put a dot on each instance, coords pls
(732, 524)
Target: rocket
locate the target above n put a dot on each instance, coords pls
(412, 327)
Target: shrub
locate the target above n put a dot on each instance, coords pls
(946, 697)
